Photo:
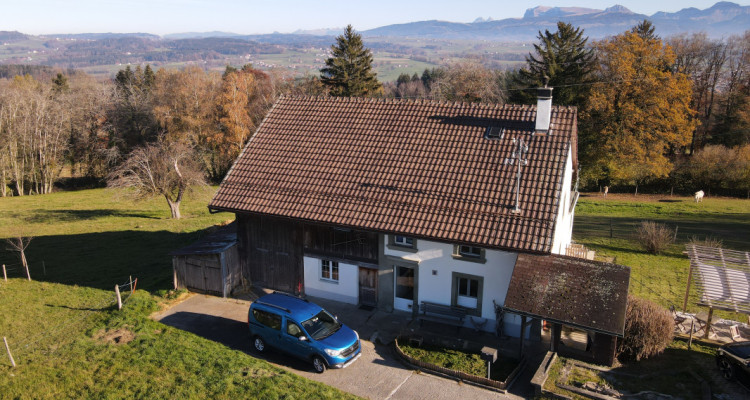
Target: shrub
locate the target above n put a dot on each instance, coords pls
(708, 241)
(655, 237)
(649, 328)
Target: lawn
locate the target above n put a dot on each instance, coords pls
(677, 372)
(99, 237)
(67, 337)
(608, 225)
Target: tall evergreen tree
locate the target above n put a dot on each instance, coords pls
(563, 57)
(349, 71)
(646, 30)
(60, 83)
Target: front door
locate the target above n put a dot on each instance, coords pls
(368, 286)
(404, 288)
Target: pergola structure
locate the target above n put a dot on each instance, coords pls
(722, 278)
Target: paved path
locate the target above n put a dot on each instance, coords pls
(376, 375)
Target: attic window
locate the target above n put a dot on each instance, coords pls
(494, 132)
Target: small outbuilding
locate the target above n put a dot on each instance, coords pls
(574, 293)
(210, 265)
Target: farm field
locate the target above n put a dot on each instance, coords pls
(391, 57)
(67, 337)
(70, 342)
(608, 226)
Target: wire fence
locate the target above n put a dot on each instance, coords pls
(17, 270)
(685, 231)
(53, 335)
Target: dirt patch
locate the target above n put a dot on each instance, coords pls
(173, 298)
(118, 336)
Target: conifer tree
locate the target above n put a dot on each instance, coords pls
(349, 71)
(565, 59)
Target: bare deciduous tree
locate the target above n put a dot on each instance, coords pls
(470, 82)
(19, 245)
(164, 168)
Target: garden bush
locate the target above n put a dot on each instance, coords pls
(655, 237)
(649, 329)
(708, 241)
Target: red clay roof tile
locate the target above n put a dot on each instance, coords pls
(420, 168)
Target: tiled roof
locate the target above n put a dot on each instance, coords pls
(573, 291)
(418, 168)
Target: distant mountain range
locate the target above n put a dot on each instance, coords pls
(722, 19)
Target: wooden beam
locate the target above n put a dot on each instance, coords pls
(708, 322)
(687, 287)
(523, 331)
(555, 342)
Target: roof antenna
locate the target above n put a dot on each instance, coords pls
(518, 157)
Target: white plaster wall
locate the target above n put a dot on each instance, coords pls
(346, 290)
(564, 227)
(437, 288)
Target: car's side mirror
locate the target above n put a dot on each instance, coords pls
(302, 338)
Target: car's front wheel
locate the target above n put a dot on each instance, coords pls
(259, 344)
(319, 364)
(727, 369)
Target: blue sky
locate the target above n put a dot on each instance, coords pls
(249, 16)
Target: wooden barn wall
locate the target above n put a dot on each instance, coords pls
(233, 269)
(344, 244)
(199, 273)
(270, 251)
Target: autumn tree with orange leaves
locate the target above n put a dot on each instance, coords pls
(245, 97)
(638, 113)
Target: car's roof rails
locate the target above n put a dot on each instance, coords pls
(291, 295)
(273, 305)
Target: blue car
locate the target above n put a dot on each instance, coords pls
(302, 329)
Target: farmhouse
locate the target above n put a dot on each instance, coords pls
(398, 204)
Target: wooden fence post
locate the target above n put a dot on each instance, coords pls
(119, 299)
(5, 274)
(131, 283)
(7, 348)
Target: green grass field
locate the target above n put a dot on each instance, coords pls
(59, 324)
(662, 278)
(63, 328)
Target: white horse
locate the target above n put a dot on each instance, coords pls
(699, 196)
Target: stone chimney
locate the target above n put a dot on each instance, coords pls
(543, 107)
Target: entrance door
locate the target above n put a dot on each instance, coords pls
(203, 275)
(368, 286)
(404, 288)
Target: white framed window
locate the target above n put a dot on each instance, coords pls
(403, 241)
(470, 251)
(329, 270)
(467, 292)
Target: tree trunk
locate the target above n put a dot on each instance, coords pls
(636, 190)
(4, 184)
(23, 259)
(174, 207)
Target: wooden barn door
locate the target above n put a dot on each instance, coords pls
(368, 286)
(203, 275)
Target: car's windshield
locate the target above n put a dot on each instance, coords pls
(321, 326)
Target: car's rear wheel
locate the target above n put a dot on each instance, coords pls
(259, 344)
(727, 369)
(319, 364)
